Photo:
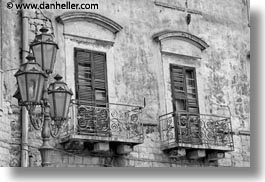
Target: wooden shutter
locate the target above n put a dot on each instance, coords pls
(178, 88)
(100, 79)
(192, 98)
(185, 103)
(83, 77)
(184, 89)
(91, 78)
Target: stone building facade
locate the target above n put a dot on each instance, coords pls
(144, 45)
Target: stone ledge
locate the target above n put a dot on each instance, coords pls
(190, 146)
(244, 132)
(95, 139)
(150, 124)
(181, 55)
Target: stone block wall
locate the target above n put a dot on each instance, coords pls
(240, 157)
(5, 138)
(148, 154)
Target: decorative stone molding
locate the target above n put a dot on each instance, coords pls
(196, 41)
(90, 17)
(87, 40)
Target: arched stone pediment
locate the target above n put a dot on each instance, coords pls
(180, 43)
(198, 42)
(90, 17)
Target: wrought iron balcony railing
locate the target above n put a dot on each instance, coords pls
(116, 122)
(196, 131)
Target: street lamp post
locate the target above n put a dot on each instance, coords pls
(33, 89)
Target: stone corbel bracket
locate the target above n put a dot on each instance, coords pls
(90, 17)
(196, 41)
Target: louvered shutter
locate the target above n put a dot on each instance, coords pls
(184, 89)
(178, 88)
(192, 98)
(100, 79)
(185, 104)
(84, 87)
(91, 78)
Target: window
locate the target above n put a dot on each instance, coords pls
(185, 104)
(91, 78)
(184, 89)
(91, 92)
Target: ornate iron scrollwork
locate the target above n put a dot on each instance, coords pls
(196, 129)
(116, 120)
(125, 122)
(92, 119)
(35, 118)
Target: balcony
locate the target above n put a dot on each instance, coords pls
(116, 124)
(208, 133)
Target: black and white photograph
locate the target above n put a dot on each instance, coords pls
(125, 83)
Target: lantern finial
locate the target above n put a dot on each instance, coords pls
(58, 77)
(44, 29)
(30, 57)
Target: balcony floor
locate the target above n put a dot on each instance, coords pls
(192, 146)
(95, 139)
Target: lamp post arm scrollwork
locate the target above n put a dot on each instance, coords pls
(36, 119)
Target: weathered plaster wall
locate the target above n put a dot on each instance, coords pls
(10, 59)
(135, 72)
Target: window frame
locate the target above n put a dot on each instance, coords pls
(91, 52)
(185, 68)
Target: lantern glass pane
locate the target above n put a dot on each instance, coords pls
(22, 86)
(51, 101)
(38, 54)
(48, 56)
(54, 56)
(41, 86)
(59, 104)
(33, 86)
(67, 104)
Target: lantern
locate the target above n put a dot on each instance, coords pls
(30, 79)
(44, 50)
(59, 99)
